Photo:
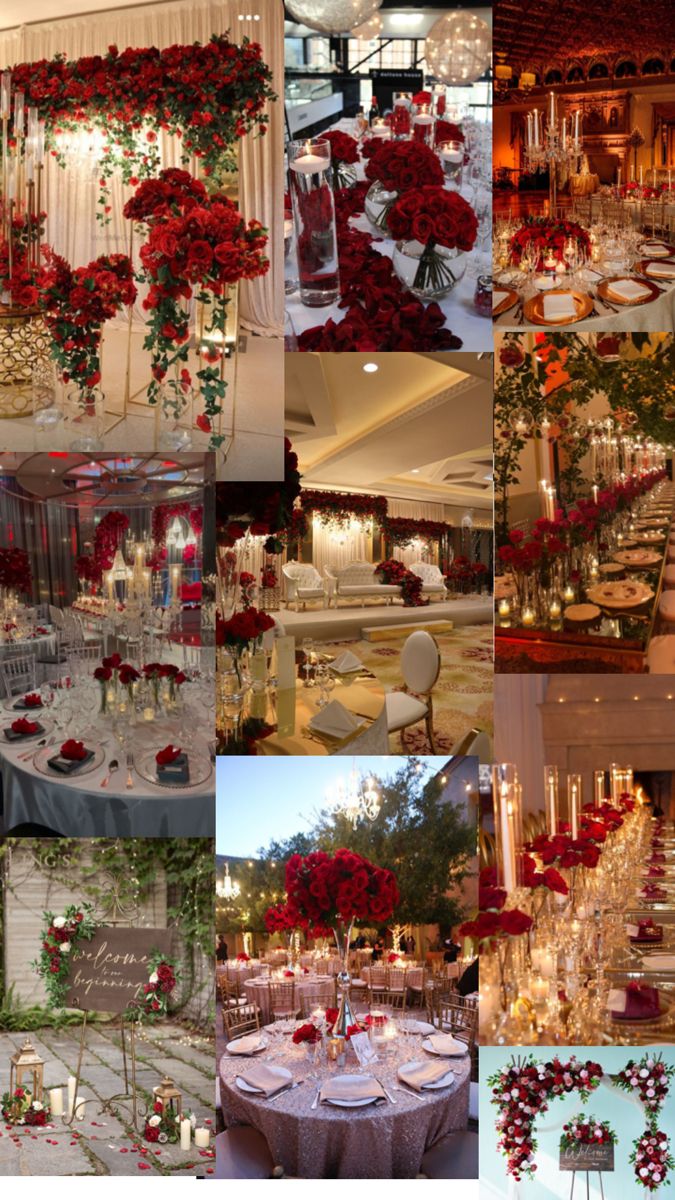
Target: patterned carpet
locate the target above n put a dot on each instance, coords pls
(462, 696)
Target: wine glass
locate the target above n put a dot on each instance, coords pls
(308, 664)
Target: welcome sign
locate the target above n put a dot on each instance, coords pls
(588, 1158)
(108, 973)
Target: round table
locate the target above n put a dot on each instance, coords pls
(584, 185)
(373, 1142)
(257, 990)
(289, 711)
(80, 807)
(41, 643)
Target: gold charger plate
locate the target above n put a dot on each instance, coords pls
(643, 264)
(581, 612)
(620, 595)
(665, 1006)
(650, 539)
(508, 302)
(629, 558)
(533, 309)
(611, 568)
(604, 290)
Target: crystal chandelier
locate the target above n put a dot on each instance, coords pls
(119, 567)
(175, 535)
(355, 798)
(228, 889)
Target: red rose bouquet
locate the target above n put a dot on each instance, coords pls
(344, 152)
(162, 1125)
(324, 890)
(434, 218)
(308, 1033)
(172, 193)
(277, 919)
(242, 628)
(20, 281)
(15, 572)
(401, 166)
(547, 235)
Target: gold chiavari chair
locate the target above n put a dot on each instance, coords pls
(319, 995)
(460, 1020)
(231, 992)
(282, 1003)
(237, 1021)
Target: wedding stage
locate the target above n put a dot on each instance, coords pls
(348, 622)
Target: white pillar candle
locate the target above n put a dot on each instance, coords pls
(310, 164)
(56, 1101)
(640, 176)
(452, 156)
(185, 1134)
(72, 1084)
(81, 1108)
(552, 110)
(202, 1138)
(547, 965)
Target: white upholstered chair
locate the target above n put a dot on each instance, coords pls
(433, 582)
(420, 668)
(476, 742)
(303, 583)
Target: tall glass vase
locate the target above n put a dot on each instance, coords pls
(343, 936)
(231, 561)
(309, 165)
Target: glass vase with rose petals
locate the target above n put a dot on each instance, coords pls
(433, 229)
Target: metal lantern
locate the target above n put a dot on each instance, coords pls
(169, 1096)
(26, 1063)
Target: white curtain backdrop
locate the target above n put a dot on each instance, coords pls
(417, 511)
(518, 732)
(336, 548)
(70, 199)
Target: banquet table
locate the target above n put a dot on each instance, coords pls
(80, 807)
(458, 308)
(373, 1142)
(289, 711)
(257, 990)
(656, 316)
(584, 185)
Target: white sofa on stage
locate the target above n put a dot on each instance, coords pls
(303, 583)
(433, 581)
(357, 579)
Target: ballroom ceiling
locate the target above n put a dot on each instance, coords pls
(532, 33)
(104, 480)
(419, 427)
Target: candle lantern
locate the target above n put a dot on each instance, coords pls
(169, 1097)
(506, 798)
(551, 798)
(574, 803)
(26, 1070)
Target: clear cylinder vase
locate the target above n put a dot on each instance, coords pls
(377, 206)
(343, 936)
(174, 416)
(85, 418)
(310, 176)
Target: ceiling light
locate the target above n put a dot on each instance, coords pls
(415, 471)
(408, 19)
(369, 368)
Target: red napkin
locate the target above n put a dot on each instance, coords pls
(658, 858)
(651, 892)
(656, 871)
(33, 700)
(23, 725)
(74, 750)
(657, 845)
(167, 755)
(647, 929)
(642, 1002)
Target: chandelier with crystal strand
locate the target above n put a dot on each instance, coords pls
(355, 798)
(228, 889)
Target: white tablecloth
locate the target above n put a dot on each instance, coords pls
(42, 643)
(458, 308)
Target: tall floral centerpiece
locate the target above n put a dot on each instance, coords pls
(240, 631)
(333, 891)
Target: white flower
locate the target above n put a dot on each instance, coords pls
(65, 947)
(656, 1177)
(37, 1106)
(651, 1092)
(154, 977)
(154, 1120)
(643, 1171)
(59, 922)
(514, 1091)
(650, 1063)
(644, 1073)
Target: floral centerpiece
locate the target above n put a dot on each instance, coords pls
(549, 236)
(239, 631)
(334, 891)
(392, 571)
(19, 1108)
(652, 1159)
(393, 169)
(344, 153)
(581, 1130)
(433, 229)
(163, 1126)
(15, 572)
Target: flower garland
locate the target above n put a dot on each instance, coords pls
(394, 572)
(522, 1090)
(155, 999)
(59, 938)
(264, 508)
(19, 1108)
(339, 508)
(402, 531)
(652, 1159)
(323, 890)
(15, 572)
(581, 1130)
(208, 96)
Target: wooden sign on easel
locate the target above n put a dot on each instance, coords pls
(109, 972)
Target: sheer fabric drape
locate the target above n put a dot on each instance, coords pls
(70, 197)
(336, 548)
(518, 737)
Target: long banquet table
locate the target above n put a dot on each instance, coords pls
(372, 1142)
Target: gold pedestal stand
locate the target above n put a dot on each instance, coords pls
(24, 341)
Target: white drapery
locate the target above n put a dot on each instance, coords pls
(335, 547)
(518, 736)
(70, 199)
(416, 510)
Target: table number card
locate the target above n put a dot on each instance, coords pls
(363, 1048)
(286, 677)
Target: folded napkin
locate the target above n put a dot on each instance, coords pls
(413, 1026)
(637, 1002)
(556, 308)
(544, 283)
(655, 870)
(245, 1045)
(657, 857)
(628, 289)
(72, 755)
(661, 270)
(32, 700)
(346, 662)
(654, 250)
(645, 930)
(267, 1079)
(445, 1043)
(657, 845)
(351, 1087)
(334, 720)
(497, 298)
(420, 1075)
(651, 892)
(659, 962)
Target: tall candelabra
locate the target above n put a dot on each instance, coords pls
(552, 145)
(23, 157)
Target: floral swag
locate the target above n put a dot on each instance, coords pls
(341, 507)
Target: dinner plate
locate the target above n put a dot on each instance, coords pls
(637, 558)
(605, 291)
(533, 309)
(41, 764)
(644, 264)
(426, 1045)
(612, 568)
(421, 1026)
(650, 539)
(508, 302)
(444, 1081)
(246, 1087)
(362, 1103)
(200, 770)
(631, 594)
(231, 1047)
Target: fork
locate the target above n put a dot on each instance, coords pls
(316, 1098)
(130, 763)
(408, 1092)
(389, 1096)
(113, 766)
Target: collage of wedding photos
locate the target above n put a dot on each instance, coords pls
(337, 420)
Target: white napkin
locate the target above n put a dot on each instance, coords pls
(556, 308)
(419, 1075)
(616, 1000)
(633, 930)
(628, 289)
(497, 298)
(417, 1026)
(267, 1079)
(659, 962)
(655, 250)
(351, 1087)
(445, 1043)
(334, 720)
(245, 1045)
(544, 283)
(661, 270)
(346, 662)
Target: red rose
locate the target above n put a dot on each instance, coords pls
(24, 726)
(515, 922)
(168, 755)
(73, 750)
